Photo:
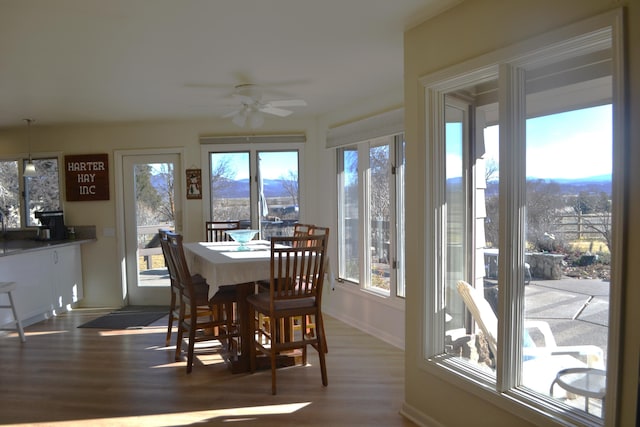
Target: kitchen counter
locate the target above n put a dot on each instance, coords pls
(20, 246)
(48, 276)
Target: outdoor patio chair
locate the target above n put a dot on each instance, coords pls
(488, 323)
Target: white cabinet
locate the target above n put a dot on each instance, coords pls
(66, 277)
(33, 291)
(48, 281)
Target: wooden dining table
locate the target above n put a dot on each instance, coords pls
(222, 264)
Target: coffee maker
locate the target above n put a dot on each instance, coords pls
(54, 222)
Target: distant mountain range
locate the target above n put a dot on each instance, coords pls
(240, 188)
(273, 187)
(233, 189)
(593, 184)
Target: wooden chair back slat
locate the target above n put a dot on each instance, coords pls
(297, 266)
(215, 230)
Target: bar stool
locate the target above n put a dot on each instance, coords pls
(8, 288)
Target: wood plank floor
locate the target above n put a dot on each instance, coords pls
(69, 376)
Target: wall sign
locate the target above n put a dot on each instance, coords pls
(87, 177)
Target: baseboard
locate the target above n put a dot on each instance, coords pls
(420, 418)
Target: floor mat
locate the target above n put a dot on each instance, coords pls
(130, 317)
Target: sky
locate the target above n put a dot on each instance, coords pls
(274, 164)
(575, 144)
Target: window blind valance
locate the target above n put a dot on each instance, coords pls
(384, 124)
(259, 139)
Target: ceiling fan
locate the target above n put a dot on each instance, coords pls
(252, 106)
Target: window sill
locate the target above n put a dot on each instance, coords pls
(534, 408)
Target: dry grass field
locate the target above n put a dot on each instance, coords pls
(593, 246)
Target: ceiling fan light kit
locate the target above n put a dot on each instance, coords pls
(253, 108)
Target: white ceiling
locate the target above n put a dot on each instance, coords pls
(78, 61)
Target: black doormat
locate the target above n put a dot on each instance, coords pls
(130, 317)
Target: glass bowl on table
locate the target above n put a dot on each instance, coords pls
(242, 237)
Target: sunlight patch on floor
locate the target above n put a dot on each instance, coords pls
(133, 331)
(188, 418)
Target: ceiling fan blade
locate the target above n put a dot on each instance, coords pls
(231, 113)
(275, 111)
(288, 103)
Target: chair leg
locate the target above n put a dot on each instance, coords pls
(321, 348)
(192, 342)
(320, 326)
(303, 328)
(323, 366)
(272, 354)
(180, 333)
(172, 308)
(16, 318)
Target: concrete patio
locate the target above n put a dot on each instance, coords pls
(576, 309)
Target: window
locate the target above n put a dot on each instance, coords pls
(41, 193)
(521, 210)
(10, 193)
(371, 214)
(349, 216)
(256, 184)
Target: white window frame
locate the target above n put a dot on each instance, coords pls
(396, 193)
(509, 65)
(261, 144)
(21, 180)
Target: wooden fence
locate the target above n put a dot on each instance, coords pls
(581, 227)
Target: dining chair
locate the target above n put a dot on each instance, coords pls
(299, 229)
(319, 231)
(295, 290)
(197, 315)
(215, 230)
(302, 229)
(174, 305)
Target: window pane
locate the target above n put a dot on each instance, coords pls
(349, 235)
(230, 187)
(155, 208)
(380, 215)
(10, 193)
(278, 192)
(42, 192)
(471, 225)
(568, 224)
(455, 219)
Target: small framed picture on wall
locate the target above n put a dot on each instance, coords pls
(194, 184)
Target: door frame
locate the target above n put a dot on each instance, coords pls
(120, 235)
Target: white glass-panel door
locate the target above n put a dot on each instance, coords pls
(151, 201)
